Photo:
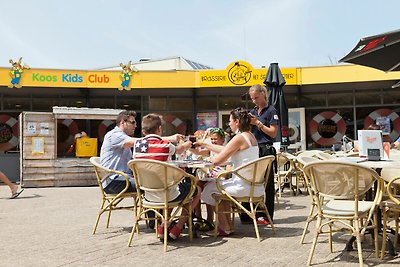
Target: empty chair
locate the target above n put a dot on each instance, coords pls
(112, 202)
(312, 215)
(284, 173)
(344, 185)
(391, 206)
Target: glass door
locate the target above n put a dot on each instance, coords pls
(297, 129)
(223, 120)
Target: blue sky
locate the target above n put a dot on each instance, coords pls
(92, 34)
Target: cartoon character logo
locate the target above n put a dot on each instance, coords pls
(125, 76)
(16, 72)
(239, 74)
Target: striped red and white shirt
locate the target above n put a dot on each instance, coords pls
(153, 147)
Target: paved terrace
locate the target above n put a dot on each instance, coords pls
(52, 227)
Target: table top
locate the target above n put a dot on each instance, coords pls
(191, 163)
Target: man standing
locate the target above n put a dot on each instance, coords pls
(265, 127)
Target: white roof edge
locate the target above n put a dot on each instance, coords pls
(86, 111)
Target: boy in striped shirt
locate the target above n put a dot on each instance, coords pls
(153, 147)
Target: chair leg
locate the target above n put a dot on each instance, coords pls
(96, 224)
(135, 228)
(396, 236)
(318, 229)
(98, 217)
(358, 239)
(376, 234)
(165, 229)
(253, 213)
(309, 219)
(190, 222)
(108, 218)
(330, 237)
(384, 224)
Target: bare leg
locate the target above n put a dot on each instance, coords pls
(195, 202)
(224, 218)
(4, 179)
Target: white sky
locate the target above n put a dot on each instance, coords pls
(92, 34)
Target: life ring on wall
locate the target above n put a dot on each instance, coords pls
(327, 128)
(103, 128)
(8, 132)
(293, 132)
(66, 130)
(176, 122)
(385, 112)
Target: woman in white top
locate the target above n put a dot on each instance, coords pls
(241, 149)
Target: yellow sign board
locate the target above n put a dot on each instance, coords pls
(238, 73)
(241, 73)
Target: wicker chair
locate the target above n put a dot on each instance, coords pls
(344, 185)
(111, 202)
(161, 177)
(254, 173)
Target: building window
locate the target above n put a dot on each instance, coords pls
(206, 102)
(313, 100)
(365, 97)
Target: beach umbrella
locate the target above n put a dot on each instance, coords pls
(381, 52)
(275, 81)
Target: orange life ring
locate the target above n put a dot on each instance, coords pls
(66, 130)
(385, 112)
(330, 124)
(8, 132)
(176, 122)
(103, 128)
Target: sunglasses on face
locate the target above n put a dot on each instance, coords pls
(131, 122)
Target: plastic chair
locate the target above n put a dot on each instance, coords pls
(160, 177)
(111, 202)
(391, 207)
(344, 185)
(254, 173)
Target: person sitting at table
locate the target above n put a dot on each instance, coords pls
(217, 137)
(152, 146)
(116, 151)
(242, 148)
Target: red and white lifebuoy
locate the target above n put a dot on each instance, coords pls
(385, 112)
(176, 122)
(8, 132)
(293, 132)
(319, 126)
(66, 130)
(103, 129)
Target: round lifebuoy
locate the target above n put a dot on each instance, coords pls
(66, 130)
(103, 128)
(293, 132)
(8, 132)
(176, 122)
(385, 112)
(327, 128)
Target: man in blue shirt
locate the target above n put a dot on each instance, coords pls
(116, 151)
